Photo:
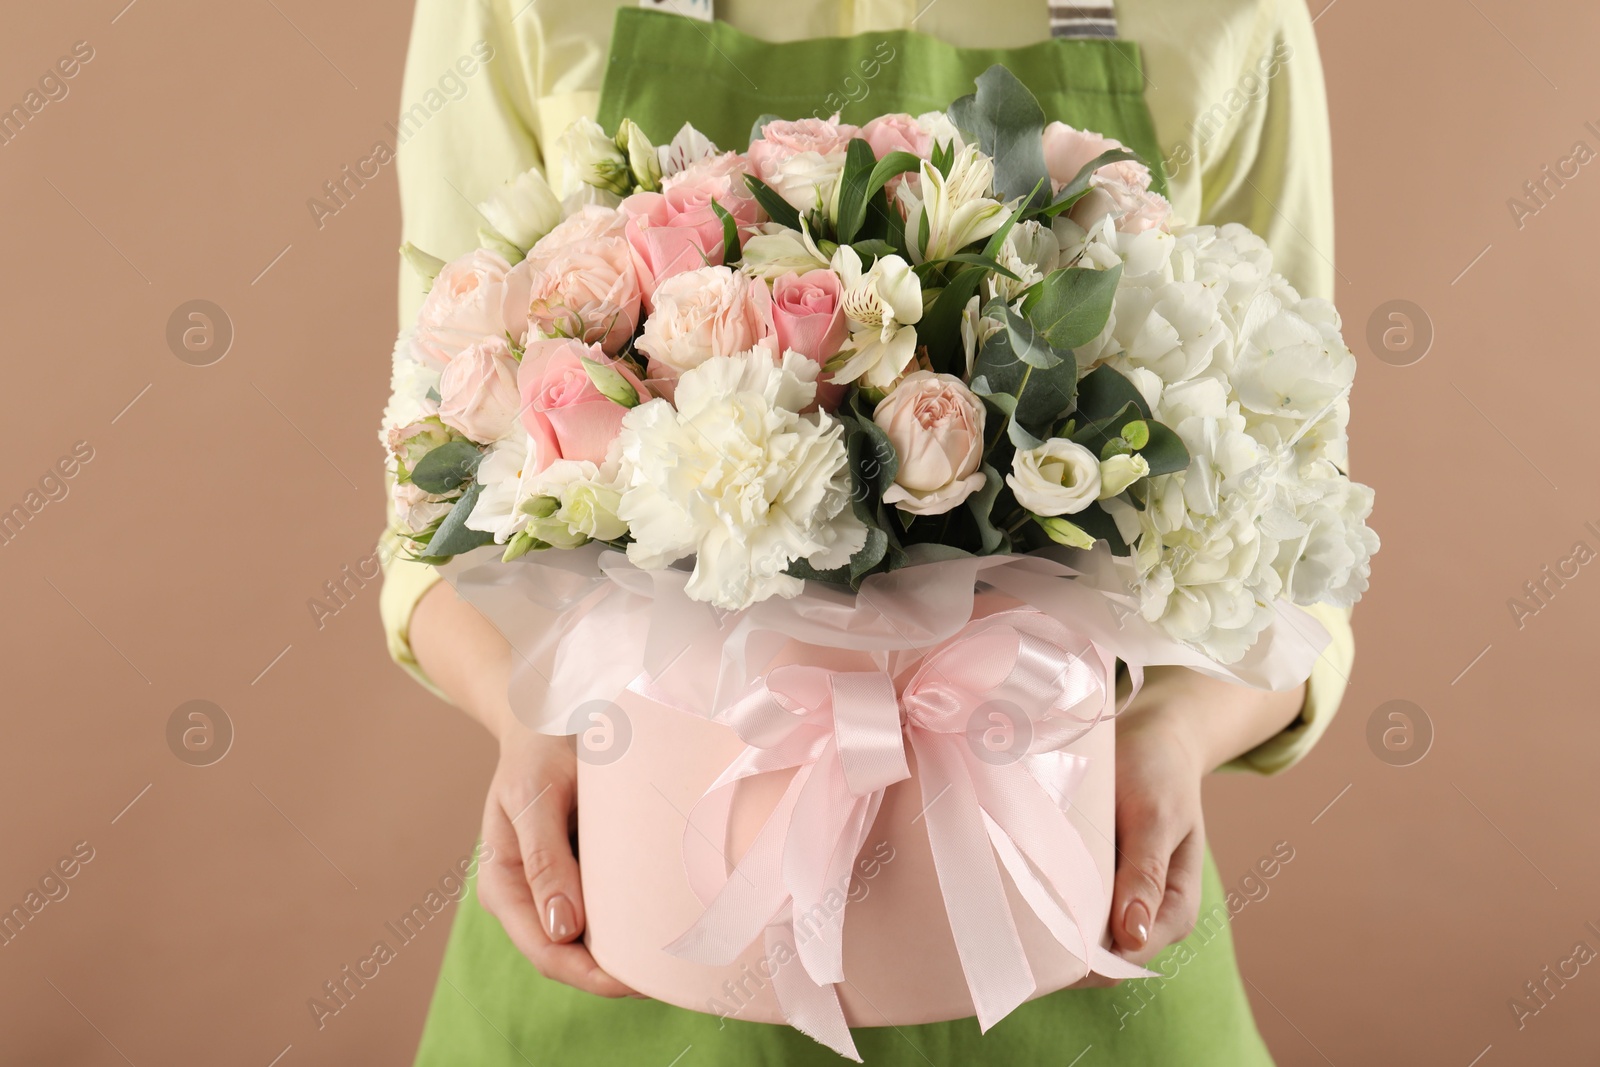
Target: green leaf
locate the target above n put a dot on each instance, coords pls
(453, 537)
(1105, 391)
(861, 180)
(981, 504)
(998, 238)
(730, 234)
(1008, 124)
(940, 327)
(446, 467)
(1074, 190)
(1096, 434)
(942, 156)
(1071, 306)
(975, 259)
(1166, 452)
(876, 248)
(777, 208)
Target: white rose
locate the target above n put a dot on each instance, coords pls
(523, 209)
(1059, 477)
(881, 304)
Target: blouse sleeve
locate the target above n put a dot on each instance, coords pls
(1264, 159)
(464, 128)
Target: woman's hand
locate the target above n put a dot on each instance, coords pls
(1180, 727)
(530, 882)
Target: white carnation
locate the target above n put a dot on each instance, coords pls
(737, 477)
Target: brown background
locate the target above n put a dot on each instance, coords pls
(181, 563)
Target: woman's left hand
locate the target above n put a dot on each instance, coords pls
(1180, 727)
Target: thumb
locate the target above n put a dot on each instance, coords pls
(548, 864)
(1141, 880)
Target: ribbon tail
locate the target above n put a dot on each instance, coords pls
(996, 968)
(812, 1008)
(824, 835)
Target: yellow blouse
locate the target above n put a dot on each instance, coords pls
(1234, 86)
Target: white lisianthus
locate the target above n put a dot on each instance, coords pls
(737, 477)
(1119, 472)
(572, 502)
(1058, 477)
(523, 209)
(590, 158)
(958, 207)
(882, 306)
(776, 250)
(643, 160)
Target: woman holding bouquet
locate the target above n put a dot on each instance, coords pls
(1229, 99)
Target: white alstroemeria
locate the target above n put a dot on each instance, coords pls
(735, 476)
(590, 158)
(523, 209)
(688, 146)
(959, 207)
(882, 306)
(776, 250)
(976, 328)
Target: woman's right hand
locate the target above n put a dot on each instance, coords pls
(530, 880)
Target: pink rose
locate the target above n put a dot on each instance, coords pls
(936, 427)
(463, 307)
(808, 317)
(1121, 189)
(565, 415)
(897, 133)
(677, 229)
(415, 509)
(578, 281)
(801, 160)
(478, 391)
(713, 311)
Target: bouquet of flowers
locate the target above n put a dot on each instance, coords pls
(792, 363)
(791, 406)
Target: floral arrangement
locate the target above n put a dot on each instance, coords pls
(798, 362)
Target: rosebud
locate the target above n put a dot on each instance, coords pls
(643, 159)
(1119, 472)
(1066, 533)
(591, 158)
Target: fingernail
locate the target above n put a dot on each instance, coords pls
(1136, 920)
(559, 920)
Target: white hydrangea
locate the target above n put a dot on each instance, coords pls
(1255, 379)
(737, 477)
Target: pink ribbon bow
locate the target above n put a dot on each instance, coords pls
(844, 734)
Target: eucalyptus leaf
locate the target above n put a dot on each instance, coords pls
(1008, 124)
(453, 537)
(1105, 391)
(1072, 305)
(1166, 452)
(1017, 361)
(444, 468)
(761, 124)
(981, 504)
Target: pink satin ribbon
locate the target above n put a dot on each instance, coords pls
(845, 733)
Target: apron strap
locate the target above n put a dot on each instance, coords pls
(1086, 18)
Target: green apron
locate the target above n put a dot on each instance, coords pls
(491, 1008)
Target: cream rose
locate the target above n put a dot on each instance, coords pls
(578, 281)
(936, 427)
(1059, 477)
(478, 392)
(713, 311)
(463, 307)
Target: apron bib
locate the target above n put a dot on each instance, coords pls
(666, 69)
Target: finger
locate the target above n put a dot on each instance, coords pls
(548, 864)
(504, 892)
(1180, 903)
(1144, 848)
